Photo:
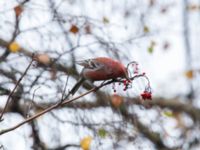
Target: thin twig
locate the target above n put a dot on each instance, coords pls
(61, 103)
(12, 92)
(64, 90)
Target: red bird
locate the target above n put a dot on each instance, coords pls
(100, 68)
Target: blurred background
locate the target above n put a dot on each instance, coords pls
(160, 35)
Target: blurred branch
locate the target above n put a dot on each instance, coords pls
(62, 102)
(70, 71)
(186, 37)
(45, 111)
(12, 92)
(152, 136)
(37, 143)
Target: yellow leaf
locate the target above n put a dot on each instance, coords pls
(168, 113)
(14, 47)
(189, 74)
(86, 142)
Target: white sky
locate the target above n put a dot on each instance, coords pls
(165, 68)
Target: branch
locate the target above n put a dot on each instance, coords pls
(61, 103)
(12, 92)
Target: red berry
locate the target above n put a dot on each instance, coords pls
(146, 95)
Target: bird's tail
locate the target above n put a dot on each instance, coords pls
(77, 86)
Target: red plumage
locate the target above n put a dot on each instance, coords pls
(100, 68)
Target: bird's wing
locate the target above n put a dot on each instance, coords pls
(90, 64)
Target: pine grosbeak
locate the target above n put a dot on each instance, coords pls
(100, 68)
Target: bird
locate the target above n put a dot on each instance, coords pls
(99, 69)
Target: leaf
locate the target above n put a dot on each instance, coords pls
(102, 133)
(164, 9)
(189, 74)
(168, 113)
(86, 142)
(87, 29)
(18, 10)
(14, 47)
(166, 45)
(151, 2)
(74, 29)
(43, 58)
(146, 29)
(193, 7)
(151, 47)
(116, 100)
(105, 20)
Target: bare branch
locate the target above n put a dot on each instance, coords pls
(12, 92)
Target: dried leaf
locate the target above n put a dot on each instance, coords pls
(193, 7)
(74, 29)
(116, 100)
(18, 10)
(189, 74)
(43, 58)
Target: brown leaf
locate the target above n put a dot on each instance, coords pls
(74, 29)
(189, 74)
(18, 10)
(116, 100)
(193, 7)
(88, 29)
(43, 58)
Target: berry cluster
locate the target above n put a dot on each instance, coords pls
(147, 94)
(127, 83)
